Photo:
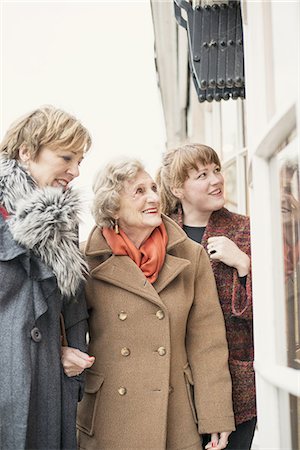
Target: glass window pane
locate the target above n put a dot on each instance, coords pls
(295, 415)
(288, 163)
(230, 176)
(290, 214)
(232, 127)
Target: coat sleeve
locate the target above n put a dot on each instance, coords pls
(75, 317)
(241, 301)
(208, 353)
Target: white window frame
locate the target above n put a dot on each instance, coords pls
(238, 157)
(275, 381)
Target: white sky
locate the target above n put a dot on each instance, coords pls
(93, 59)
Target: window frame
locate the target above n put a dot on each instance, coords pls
(275, 381)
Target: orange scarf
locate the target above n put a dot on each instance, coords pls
(149, 257)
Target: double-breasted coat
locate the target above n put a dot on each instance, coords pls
(37, 401)
(161, 373)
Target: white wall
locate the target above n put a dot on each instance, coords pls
(93, 59)
(271, 35)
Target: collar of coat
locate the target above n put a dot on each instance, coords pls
(123, 272)
(43, 221)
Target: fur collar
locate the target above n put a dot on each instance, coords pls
(44, 221)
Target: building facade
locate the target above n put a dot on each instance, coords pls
(258, 142)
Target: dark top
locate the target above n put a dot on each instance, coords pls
(194, 233)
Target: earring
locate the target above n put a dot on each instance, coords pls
(180, 215)
(116, 226)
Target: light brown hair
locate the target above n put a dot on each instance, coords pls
(175, 169)
(45, 126)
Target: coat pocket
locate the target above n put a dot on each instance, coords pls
(189, 383)
(243, 387)
(88, 406)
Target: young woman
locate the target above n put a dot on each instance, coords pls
(40, 281)
(192, 193)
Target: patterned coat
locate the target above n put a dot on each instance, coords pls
(236, 303)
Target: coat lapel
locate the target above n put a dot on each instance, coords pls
(33, 266)
(219, 222)
(172, 267)
(121, 271)
(9, 248)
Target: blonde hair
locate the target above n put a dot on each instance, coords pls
(175, 169)
(45, 126)
(108, 184)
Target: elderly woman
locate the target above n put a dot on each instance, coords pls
(40, 281)
(156, 327)
(192, 193)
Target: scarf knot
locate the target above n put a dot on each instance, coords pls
(149, 257)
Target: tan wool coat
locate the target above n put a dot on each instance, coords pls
(161, 372)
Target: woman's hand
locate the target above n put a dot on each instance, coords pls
(221, 248)
(74, 361)
(218, 440)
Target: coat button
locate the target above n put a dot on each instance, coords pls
(122, 390)
(36, 335)
(122, 315)
(125, 351)
(160, 314)
(161, 351)
(171, 389)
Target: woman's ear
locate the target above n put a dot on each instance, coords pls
(24, 154)
(177, 192)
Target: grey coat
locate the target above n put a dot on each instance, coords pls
(37, 401)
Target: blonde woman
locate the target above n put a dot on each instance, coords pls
(41, 273)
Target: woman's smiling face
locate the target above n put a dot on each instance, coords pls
(139, 213)
(204, 188)
(55, 168)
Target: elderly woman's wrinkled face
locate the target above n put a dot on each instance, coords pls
(139, 211)
(55, 168)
